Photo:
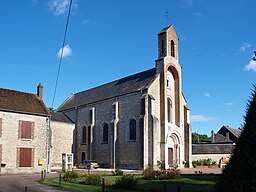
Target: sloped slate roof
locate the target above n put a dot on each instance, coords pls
(218, 138)
(234, 131)
(60, 117)
(16, 101)
(212, 148)
(113, 89)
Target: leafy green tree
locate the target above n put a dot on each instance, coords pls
(240, 173)
(196, 137)
(51, 109)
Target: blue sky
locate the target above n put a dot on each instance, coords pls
(108, 40)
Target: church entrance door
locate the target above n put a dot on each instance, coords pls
(170, 157)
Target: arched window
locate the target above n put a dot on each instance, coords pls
(105, 133)
(169, 108)
(162, 47)
(172, 49)
(132, 129)
(83, 156)
(83, 135)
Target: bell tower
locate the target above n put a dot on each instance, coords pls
(168, 45)
(169, 70)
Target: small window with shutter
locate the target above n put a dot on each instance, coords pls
(26, 130)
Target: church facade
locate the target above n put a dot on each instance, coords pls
(137, 120)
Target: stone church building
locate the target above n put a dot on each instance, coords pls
(137, 120)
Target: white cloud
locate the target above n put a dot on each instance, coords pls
(206, 94)
(229, 104)
(201, 118)
(251, 66)
(67, 51)
(245, 46)
(60, 7)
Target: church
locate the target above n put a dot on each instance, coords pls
(138, 120)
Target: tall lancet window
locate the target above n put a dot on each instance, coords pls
(132, 130)
(169, 109)
(162, 47)
(172, 48)
(105, 133)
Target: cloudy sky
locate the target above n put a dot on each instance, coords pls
(107, 40)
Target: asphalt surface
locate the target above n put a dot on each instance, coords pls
(19, 183)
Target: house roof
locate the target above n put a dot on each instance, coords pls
(123, 86)
(60, 117)
(234, 131)
(11, 100)
(218, 138)
(212, 148)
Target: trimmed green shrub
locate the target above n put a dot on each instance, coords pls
(93, 179)
(240, 173)
(150, 173)
(173, 174)
(206, 162)
(118, 172)
(69, 175)
(126, 182)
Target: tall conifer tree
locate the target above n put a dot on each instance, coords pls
(240, 173)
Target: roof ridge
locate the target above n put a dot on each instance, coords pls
(114, 81)
(15, 100)
(122, 86)
(17, 91)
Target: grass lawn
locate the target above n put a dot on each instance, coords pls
(188, 183)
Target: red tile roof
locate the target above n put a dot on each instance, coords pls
(17, 101)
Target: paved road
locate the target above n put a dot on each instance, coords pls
(17, 183)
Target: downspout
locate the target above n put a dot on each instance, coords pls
(76, 133)
(49, 145)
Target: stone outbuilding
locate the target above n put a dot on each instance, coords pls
(219, 147)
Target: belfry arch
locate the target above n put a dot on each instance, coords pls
(176, 86)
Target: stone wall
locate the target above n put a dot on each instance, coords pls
(128, 153)
(62, 141)
(11, 143)
(215, 157)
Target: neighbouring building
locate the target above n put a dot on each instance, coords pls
(218, 147)
(28, 139)
(62, 131)
(137, 120)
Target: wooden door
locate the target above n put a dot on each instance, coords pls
(25, 157)
(170, 157)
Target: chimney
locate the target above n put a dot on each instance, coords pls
(40, 91)
(227, 134)
(213, 139)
